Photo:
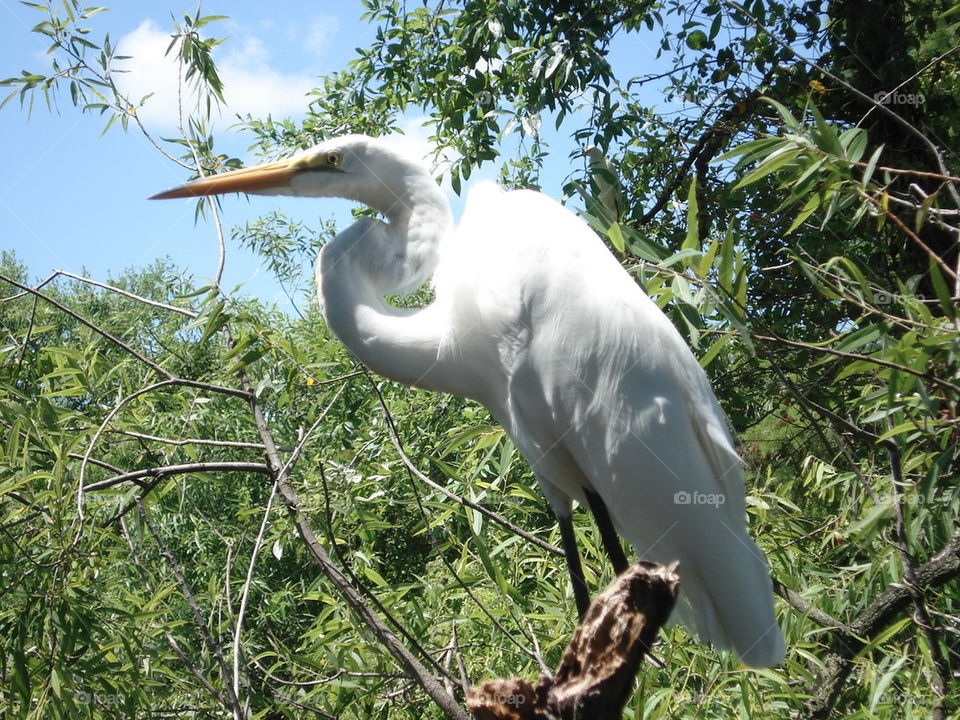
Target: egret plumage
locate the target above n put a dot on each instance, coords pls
(535, 319)
(603, 177)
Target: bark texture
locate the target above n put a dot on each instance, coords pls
(596, 674)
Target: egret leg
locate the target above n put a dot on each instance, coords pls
(611, 541)
(580, 593)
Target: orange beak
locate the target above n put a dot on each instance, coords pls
(259, 177)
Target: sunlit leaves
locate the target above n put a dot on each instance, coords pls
(821, 353)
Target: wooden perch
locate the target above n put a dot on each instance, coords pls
(595, 676)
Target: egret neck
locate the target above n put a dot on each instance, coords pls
(372, 259)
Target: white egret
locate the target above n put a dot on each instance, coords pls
(603, 175)
(534, 318)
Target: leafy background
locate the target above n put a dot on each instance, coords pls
(168, 445)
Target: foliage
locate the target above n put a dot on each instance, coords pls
(810, 263)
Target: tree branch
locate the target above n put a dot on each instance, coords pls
(941, 667)
(183, 469)
(212, 644)
(943, 567)
(100, 331)
(125, 293)
(707, 145)
(596, 674)
(410, 663)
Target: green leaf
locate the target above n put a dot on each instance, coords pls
(947, 303)
(773, 163)
(809, 207)
(725, 276)
(871, 165)
(553, 64)
(826, 135)
(920, 217)
(692, 241)
(891, 674)
(698, 40)
(858, 338)
(854, 142)
(615, 235)
(708, 257)
(215, 321)
(714, 350)
(788, 119)
(752, 149)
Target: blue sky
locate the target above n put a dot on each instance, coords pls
(73, 199)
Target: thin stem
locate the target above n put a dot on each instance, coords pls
(182, 469)
(189, 441)
(910, 234)
(907, 171)
(258, 543)
(126, 293)
(171, 641)
(248, 581)
(857, 356)
(353, 597)
(395, 436)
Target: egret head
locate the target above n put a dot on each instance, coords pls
(356, 167)
(593, 153)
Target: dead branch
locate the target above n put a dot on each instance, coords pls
(596, 674)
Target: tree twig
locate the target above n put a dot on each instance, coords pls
(128, 294)
(258, 543)
(182, 469)
(98, 330)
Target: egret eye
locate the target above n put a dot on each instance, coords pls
(333, 158)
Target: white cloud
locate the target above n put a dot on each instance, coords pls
(319, 31)
(415, 143)
(250, 84)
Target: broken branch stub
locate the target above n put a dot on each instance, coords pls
(595, 676)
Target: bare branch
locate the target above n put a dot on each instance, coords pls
(185, 468)
(805, 607)
(857, 356)
(188, 441)
(353, 597)
(258, 543)
(125, 293)
(910, 234)
(941, 677)
(132, 396)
